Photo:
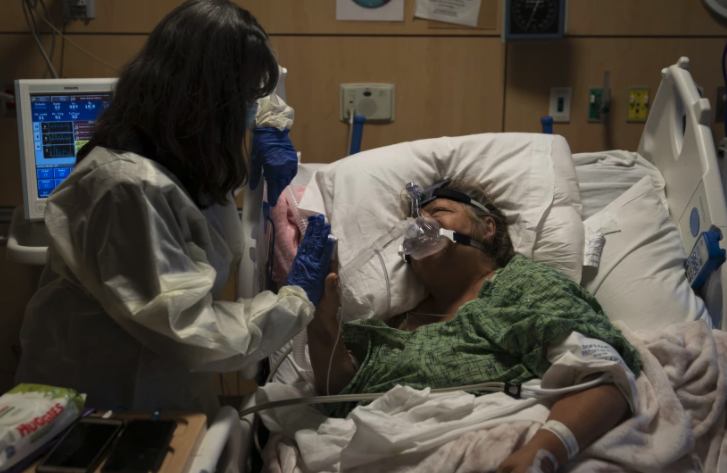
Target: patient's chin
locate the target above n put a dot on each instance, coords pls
(425, 267)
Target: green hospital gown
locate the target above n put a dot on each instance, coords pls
(502, 335)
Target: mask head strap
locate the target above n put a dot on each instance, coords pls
(462, 239)
(440, 191)
(455, 237)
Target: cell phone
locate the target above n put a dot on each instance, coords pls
(81, 449)
(141, 448)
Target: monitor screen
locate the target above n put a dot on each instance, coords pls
(62, 124)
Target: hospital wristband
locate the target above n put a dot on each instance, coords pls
(564, 435)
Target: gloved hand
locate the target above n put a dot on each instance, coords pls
(274, 157)
(310, 266)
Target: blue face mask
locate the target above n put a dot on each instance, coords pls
(251, 112)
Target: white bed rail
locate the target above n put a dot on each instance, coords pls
(220, 449)
(251, 277)
(678, 139)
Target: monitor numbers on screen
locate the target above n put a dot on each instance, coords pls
(62, 124)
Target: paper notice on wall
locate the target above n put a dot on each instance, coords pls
(460, 12)
(370, 10)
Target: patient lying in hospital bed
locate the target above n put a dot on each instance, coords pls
(491, 315)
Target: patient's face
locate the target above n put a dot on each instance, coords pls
(451, 215)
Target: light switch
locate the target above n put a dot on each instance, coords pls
(560, 100)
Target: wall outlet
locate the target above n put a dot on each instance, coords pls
(373, 101)
(639, 101)
(595, 105)
(79, 9)
(720, 105)
(560, 100)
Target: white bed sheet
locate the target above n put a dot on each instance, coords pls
(605, 175)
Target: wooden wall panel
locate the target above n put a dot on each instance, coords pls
(532, 69)
(113, 49)
(444, 86)
(281, 17)
(641, 18)
(13, 20)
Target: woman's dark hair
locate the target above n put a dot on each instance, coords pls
(183, 100)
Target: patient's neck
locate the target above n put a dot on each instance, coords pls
(449, 290)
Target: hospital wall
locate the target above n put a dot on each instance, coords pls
(449, 80)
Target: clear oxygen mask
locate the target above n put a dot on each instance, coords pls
(422, 236)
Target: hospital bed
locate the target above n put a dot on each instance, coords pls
(677, 139)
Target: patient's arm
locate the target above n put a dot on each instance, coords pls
(588, 414)
(322, 335)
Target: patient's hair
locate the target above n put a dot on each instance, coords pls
(501, 249)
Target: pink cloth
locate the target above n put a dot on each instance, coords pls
(287, 233)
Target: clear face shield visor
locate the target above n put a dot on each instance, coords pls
(424, 236)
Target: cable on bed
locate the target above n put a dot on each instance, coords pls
(278, 363)
(482, 387)
(514, 390)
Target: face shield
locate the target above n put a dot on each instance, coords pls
(250, 117)
(424, 236)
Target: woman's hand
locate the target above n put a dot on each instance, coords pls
(529, 460)
(311, 263)
(333, 370)
(327, 308)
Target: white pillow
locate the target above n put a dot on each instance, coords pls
(640, 279)
(361, 197)
(605, 175)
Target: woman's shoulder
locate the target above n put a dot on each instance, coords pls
(122, 167)
(125, 175)
(115, 182)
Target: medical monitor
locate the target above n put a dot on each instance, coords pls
(55, 120)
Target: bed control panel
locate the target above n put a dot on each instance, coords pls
(706, 256)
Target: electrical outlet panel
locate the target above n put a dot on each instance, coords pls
(720, 105)
(373, 101)
(595, 105)
(560, 100)
(638, 104)
(79, 9)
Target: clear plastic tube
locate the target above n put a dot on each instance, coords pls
(377, 247)
(294, 204)
(300, 401)
(416, 193)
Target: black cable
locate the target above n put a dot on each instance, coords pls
(28, 10)
(222, 388)
(53, 32)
